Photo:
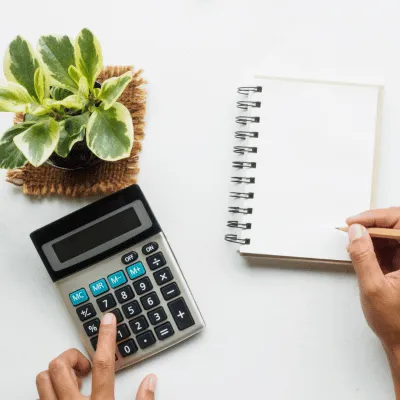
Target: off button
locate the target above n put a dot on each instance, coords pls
(129, 258)
(149, 248)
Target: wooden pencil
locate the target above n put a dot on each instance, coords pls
(383, 233)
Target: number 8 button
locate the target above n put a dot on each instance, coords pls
(150, 301)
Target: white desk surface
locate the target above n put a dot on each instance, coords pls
(272, 333)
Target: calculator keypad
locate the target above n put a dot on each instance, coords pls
(122, 332)
(106, 302)
(124, 294)
(141, 321)
(138, 324)
(142, 286)
(149, 301)
(163, 276)
(130, 310)
(85, 312)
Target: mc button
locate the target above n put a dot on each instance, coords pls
(78, 297)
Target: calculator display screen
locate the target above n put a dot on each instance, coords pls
(96, 235)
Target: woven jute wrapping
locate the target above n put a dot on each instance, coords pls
(104, 178)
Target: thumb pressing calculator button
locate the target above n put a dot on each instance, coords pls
(85, 312)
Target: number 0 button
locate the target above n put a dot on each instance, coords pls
(127, 348)
(150, 301)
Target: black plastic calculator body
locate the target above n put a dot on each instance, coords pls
(112, 256)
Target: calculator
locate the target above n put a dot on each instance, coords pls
(112, 256)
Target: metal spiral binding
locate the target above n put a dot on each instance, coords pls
(241, 150)
(234, 239)
(240, 210)
(244, 120)
(241, 195)
(245, 134)
(244, 149)
(237, 224)
(245, 105)
(249, 89)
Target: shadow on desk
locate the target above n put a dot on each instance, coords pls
(294, 263)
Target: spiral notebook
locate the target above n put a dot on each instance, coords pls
(305, 159)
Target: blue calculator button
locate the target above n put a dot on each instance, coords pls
(98, 287)
(135, 270)
(117, 279)
(78, 297)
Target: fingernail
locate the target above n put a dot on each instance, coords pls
(356, 231)
(152, 383)
(108, 319)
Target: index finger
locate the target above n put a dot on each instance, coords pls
(381, 218)
(104, 359)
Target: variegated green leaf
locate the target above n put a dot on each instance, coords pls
(59, 93)
(74, 74)
(10, 156)
(96, 92)
(58, 55)
(39, 81)
(112, 88)
(73, 101)
(83, 88)
(41, 110)
(88, 56)
(38, 142)
(72, 130)
(14, 98)
(20, 64)
(109, 133)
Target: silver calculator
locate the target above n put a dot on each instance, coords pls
(112, 256)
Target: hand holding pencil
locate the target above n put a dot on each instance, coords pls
(374, 248)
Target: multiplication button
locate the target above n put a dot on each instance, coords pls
(163, 276)
(181, 314)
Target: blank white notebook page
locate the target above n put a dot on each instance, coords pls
(315, 166)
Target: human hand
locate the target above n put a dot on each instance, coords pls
(377, 264)
(62, 380)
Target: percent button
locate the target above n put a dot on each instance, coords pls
(92, 327)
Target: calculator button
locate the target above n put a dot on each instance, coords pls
(124, 294)
(131, 309)
(156, 261)
(78, 297)
(122, 332)
(92, 327)
(116, 279)
(150, 301)
(181, 314)
(129, 258)
(163, 276)
(156, 316)
(143, 286)
(94, 342)
(118, 315)
(106, 302)
(145, 339)
(86, 312)
(138, 325)
(98, 287)
(170, 291)
(149, 248)
(135, 270)
(164, 331)
(127, 348)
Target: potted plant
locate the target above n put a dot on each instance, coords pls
(70, 120)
